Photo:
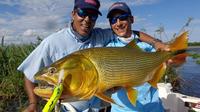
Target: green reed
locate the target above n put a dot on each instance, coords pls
(196, 56)
(12, 95)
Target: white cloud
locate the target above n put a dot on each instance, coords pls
(2, 21)
(9, 2)
(195, 21)
(105, 4)
(41, 16)
(29, 33)
(5, 32)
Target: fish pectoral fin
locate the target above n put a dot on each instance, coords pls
(106, 98)
(132, 95)
(158, 75)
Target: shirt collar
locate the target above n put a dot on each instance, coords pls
(125, 40)
(77, 36)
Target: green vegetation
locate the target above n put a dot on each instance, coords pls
(196, 56)
(11, 80)
(198, 61)
(194, 43)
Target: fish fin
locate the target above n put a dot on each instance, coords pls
(180, 43)
(157, 75)
(179, 59)
(106, 98)
(132, 45)
(132, 95)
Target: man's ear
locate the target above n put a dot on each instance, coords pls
(132, 19)
(73, 14)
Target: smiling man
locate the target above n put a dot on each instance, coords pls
(121, 19)
(79, 35)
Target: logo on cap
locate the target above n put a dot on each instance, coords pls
(91, 2)
(116, 5)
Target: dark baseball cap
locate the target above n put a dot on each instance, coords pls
(88, 4)
(119, 6)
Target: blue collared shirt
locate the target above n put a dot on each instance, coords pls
(147, 99)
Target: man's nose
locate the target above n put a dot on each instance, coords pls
(87, 19)
(118, 22)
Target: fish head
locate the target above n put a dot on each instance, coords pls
(77, 74)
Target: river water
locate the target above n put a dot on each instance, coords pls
(190, 75)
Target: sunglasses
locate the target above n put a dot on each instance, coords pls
(84, 13)
(122, 17)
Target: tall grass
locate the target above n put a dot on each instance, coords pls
(12, 95)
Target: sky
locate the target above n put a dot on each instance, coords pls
(22, 21)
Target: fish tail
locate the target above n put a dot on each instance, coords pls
(178, 48)
(180, 43)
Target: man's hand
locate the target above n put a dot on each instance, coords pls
(159, 46)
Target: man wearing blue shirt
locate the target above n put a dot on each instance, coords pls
(121, 19)
(79, 35)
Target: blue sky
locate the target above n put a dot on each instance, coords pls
(21, 21)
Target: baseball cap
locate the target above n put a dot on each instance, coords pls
(88, 4)
(119, 6)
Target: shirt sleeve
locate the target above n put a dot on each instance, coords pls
(103, 36)
(146, 47)
(143, 45)
(38, 59)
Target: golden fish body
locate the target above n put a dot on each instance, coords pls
(90, 72)
(121, 66)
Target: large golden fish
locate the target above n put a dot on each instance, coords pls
(91, 72)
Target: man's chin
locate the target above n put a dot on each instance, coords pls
(84, 34)
(121, 34)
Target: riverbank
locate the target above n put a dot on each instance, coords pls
(194, 47)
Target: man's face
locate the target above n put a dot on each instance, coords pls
(120, 23)
(84, 20)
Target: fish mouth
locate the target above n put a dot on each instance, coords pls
(45, 86)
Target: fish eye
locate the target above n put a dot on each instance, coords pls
(51, 70)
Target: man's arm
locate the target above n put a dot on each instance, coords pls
(158, 45)
(29, 86)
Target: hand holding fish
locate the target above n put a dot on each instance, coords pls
(159, 46)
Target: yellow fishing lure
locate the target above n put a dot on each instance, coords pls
(54, 98)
